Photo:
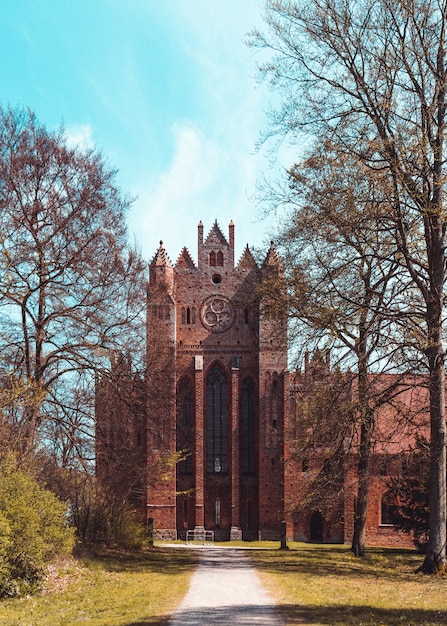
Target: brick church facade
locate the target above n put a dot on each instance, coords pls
(207, 439)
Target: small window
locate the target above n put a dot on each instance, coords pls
(217, 279)
(246, 316)
(212, 259)
(188, 315)
(219, 259)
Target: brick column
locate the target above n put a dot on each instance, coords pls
(199, 443)
(236, 533)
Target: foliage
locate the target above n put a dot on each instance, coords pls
(110, 588)
(33, 530)
(370, 77)
(343, 287)
(323, 434)
(71, 289)
(98, 516)
(410, 491)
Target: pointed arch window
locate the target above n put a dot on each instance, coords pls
(185, 425)
(212, 258)
(219, 258)
(216, 422)
(248, 442)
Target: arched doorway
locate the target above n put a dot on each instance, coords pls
(316, 527)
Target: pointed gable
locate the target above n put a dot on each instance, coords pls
(273, 260)
(247, 261)
(185, 260)
(160, 258)
(215, 236)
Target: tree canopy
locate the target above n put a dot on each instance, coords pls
(71, 287)
(370, 77)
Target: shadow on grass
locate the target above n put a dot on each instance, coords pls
(390, 563)
(242, 615)
(154, 560)
(151, 622)
(354, 615)
(291, 615)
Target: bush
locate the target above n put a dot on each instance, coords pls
(99, 516)
(33, 530)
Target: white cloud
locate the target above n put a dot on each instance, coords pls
(213, 169)
(176, 198)
(206, 180)
(80, 135)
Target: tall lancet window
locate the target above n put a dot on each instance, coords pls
(248, 443)
(216, 422)
(185, 425)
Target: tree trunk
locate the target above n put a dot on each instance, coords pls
(359, 537)
(366, 426)
(435, 559)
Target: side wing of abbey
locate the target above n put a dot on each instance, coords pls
(210, 437)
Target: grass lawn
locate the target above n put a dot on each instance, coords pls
(313, 584)
(115, 589)
(326, 584)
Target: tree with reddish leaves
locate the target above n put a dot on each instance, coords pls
(71, 289)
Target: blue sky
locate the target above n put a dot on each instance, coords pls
(166, 89)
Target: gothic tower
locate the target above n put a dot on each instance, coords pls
(216, 362)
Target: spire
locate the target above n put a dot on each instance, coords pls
(231, 242)
(247, 261)
(160, 258)
(161, 270)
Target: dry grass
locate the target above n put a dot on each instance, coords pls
(114, 589)
(328, 585)
(313, 584)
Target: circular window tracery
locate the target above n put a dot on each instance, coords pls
(217, 313)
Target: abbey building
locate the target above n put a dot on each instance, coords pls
(207, 438)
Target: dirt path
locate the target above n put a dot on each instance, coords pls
(225, 589)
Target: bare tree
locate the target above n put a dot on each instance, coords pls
(343, 288)
(372, 74)
(70, 287)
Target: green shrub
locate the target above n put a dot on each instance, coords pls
(100, 516)
(33, 530)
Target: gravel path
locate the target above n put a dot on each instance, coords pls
(226, 590)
